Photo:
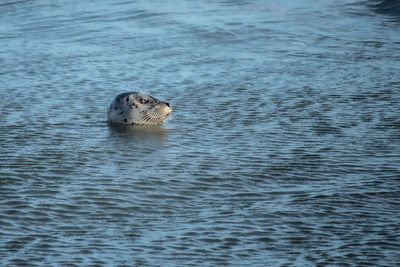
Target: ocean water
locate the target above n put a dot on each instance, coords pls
(283, 148)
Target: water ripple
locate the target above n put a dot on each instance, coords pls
(283, 147)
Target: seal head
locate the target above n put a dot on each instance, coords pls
(137, 108)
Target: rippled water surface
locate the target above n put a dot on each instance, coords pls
(283, 147)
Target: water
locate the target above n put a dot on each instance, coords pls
(283, 147)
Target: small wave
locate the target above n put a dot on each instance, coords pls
(386, 7)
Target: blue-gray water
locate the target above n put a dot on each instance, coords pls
(283, 147)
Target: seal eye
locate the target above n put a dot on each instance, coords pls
(144, 101)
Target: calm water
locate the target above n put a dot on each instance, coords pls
(283, 147)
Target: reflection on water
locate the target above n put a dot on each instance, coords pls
(139, 134)
(283, 148)
(138, 142)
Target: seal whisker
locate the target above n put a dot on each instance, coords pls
(147, 119)
(144, 120)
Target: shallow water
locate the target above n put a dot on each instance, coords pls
(283, 147)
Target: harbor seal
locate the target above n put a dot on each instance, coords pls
(136, 108)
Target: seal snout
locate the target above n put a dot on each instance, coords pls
(167, 108)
